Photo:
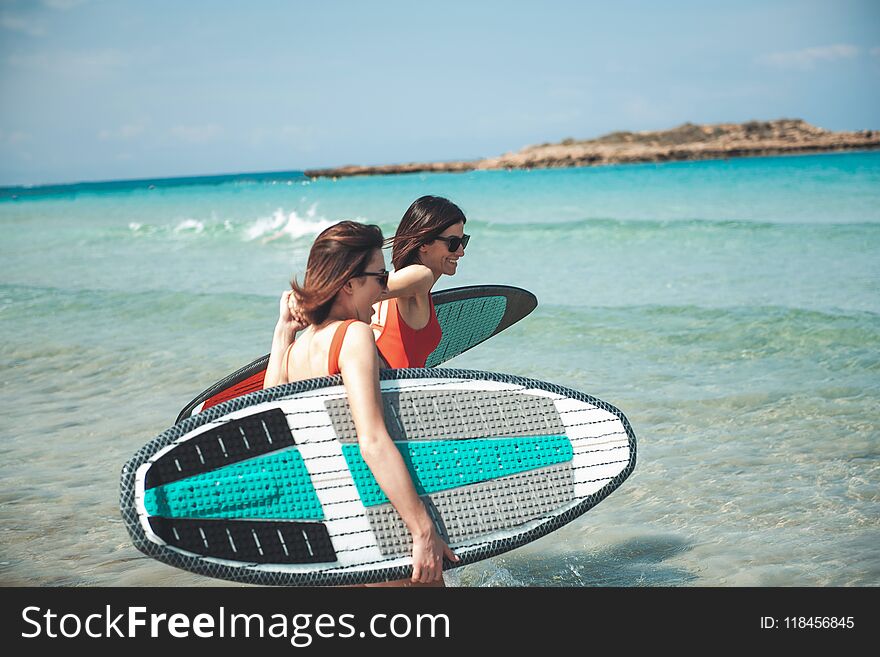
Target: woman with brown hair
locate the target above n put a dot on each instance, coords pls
(428, 244)
(344, 277)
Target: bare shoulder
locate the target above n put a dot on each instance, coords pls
(359, 342)
(358, 356)
(359, 331)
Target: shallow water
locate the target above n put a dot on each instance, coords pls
(730, 309)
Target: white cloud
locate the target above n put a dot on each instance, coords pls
(127, 131)
(197, 134)
(807, 58)
(21, 25)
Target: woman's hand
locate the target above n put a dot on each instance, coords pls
(290, 321)
(289, 315)
(428, 552)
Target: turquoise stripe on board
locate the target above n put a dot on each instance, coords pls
(465, 323)
(272, 487)
(437, 465)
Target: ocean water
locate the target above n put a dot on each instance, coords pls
(731, 309)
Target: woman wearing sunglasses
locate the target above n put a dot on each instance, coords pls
(344, 277)
(428, 244)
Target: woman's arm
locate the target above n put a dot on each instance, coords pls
(289, 322)
(410, 281)
(360, 373)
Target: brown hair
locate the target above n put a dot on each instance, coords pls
(422, 223)
(338, 254)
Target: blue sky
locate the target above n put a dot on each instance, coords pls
(110, 89)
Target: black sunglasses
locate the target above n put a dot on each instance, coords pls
(381, 275)
(452, 243)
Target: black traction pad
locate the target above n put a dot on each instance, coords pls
(248, 540)
(231, 442)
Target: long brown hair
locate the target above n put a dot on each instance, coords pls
(422, 223)
(338, 254)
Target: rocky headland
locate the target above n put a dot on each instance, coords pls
(686, 142)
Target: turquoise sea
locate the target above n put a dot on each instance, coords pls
(730, 308)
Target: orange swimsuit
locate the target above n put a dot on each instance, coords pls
(402, 345)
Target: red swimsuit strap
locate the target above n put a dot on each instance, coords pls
(336, 347)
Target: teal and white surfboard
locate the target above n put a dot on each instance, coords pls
(271, 488)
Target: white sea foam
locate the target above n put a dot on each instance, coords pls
(192, 225)
(291, 225)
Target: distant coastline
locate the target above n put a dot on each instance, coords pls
(686, 142)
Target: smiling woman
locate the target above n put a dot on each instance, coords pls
(428, 244)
